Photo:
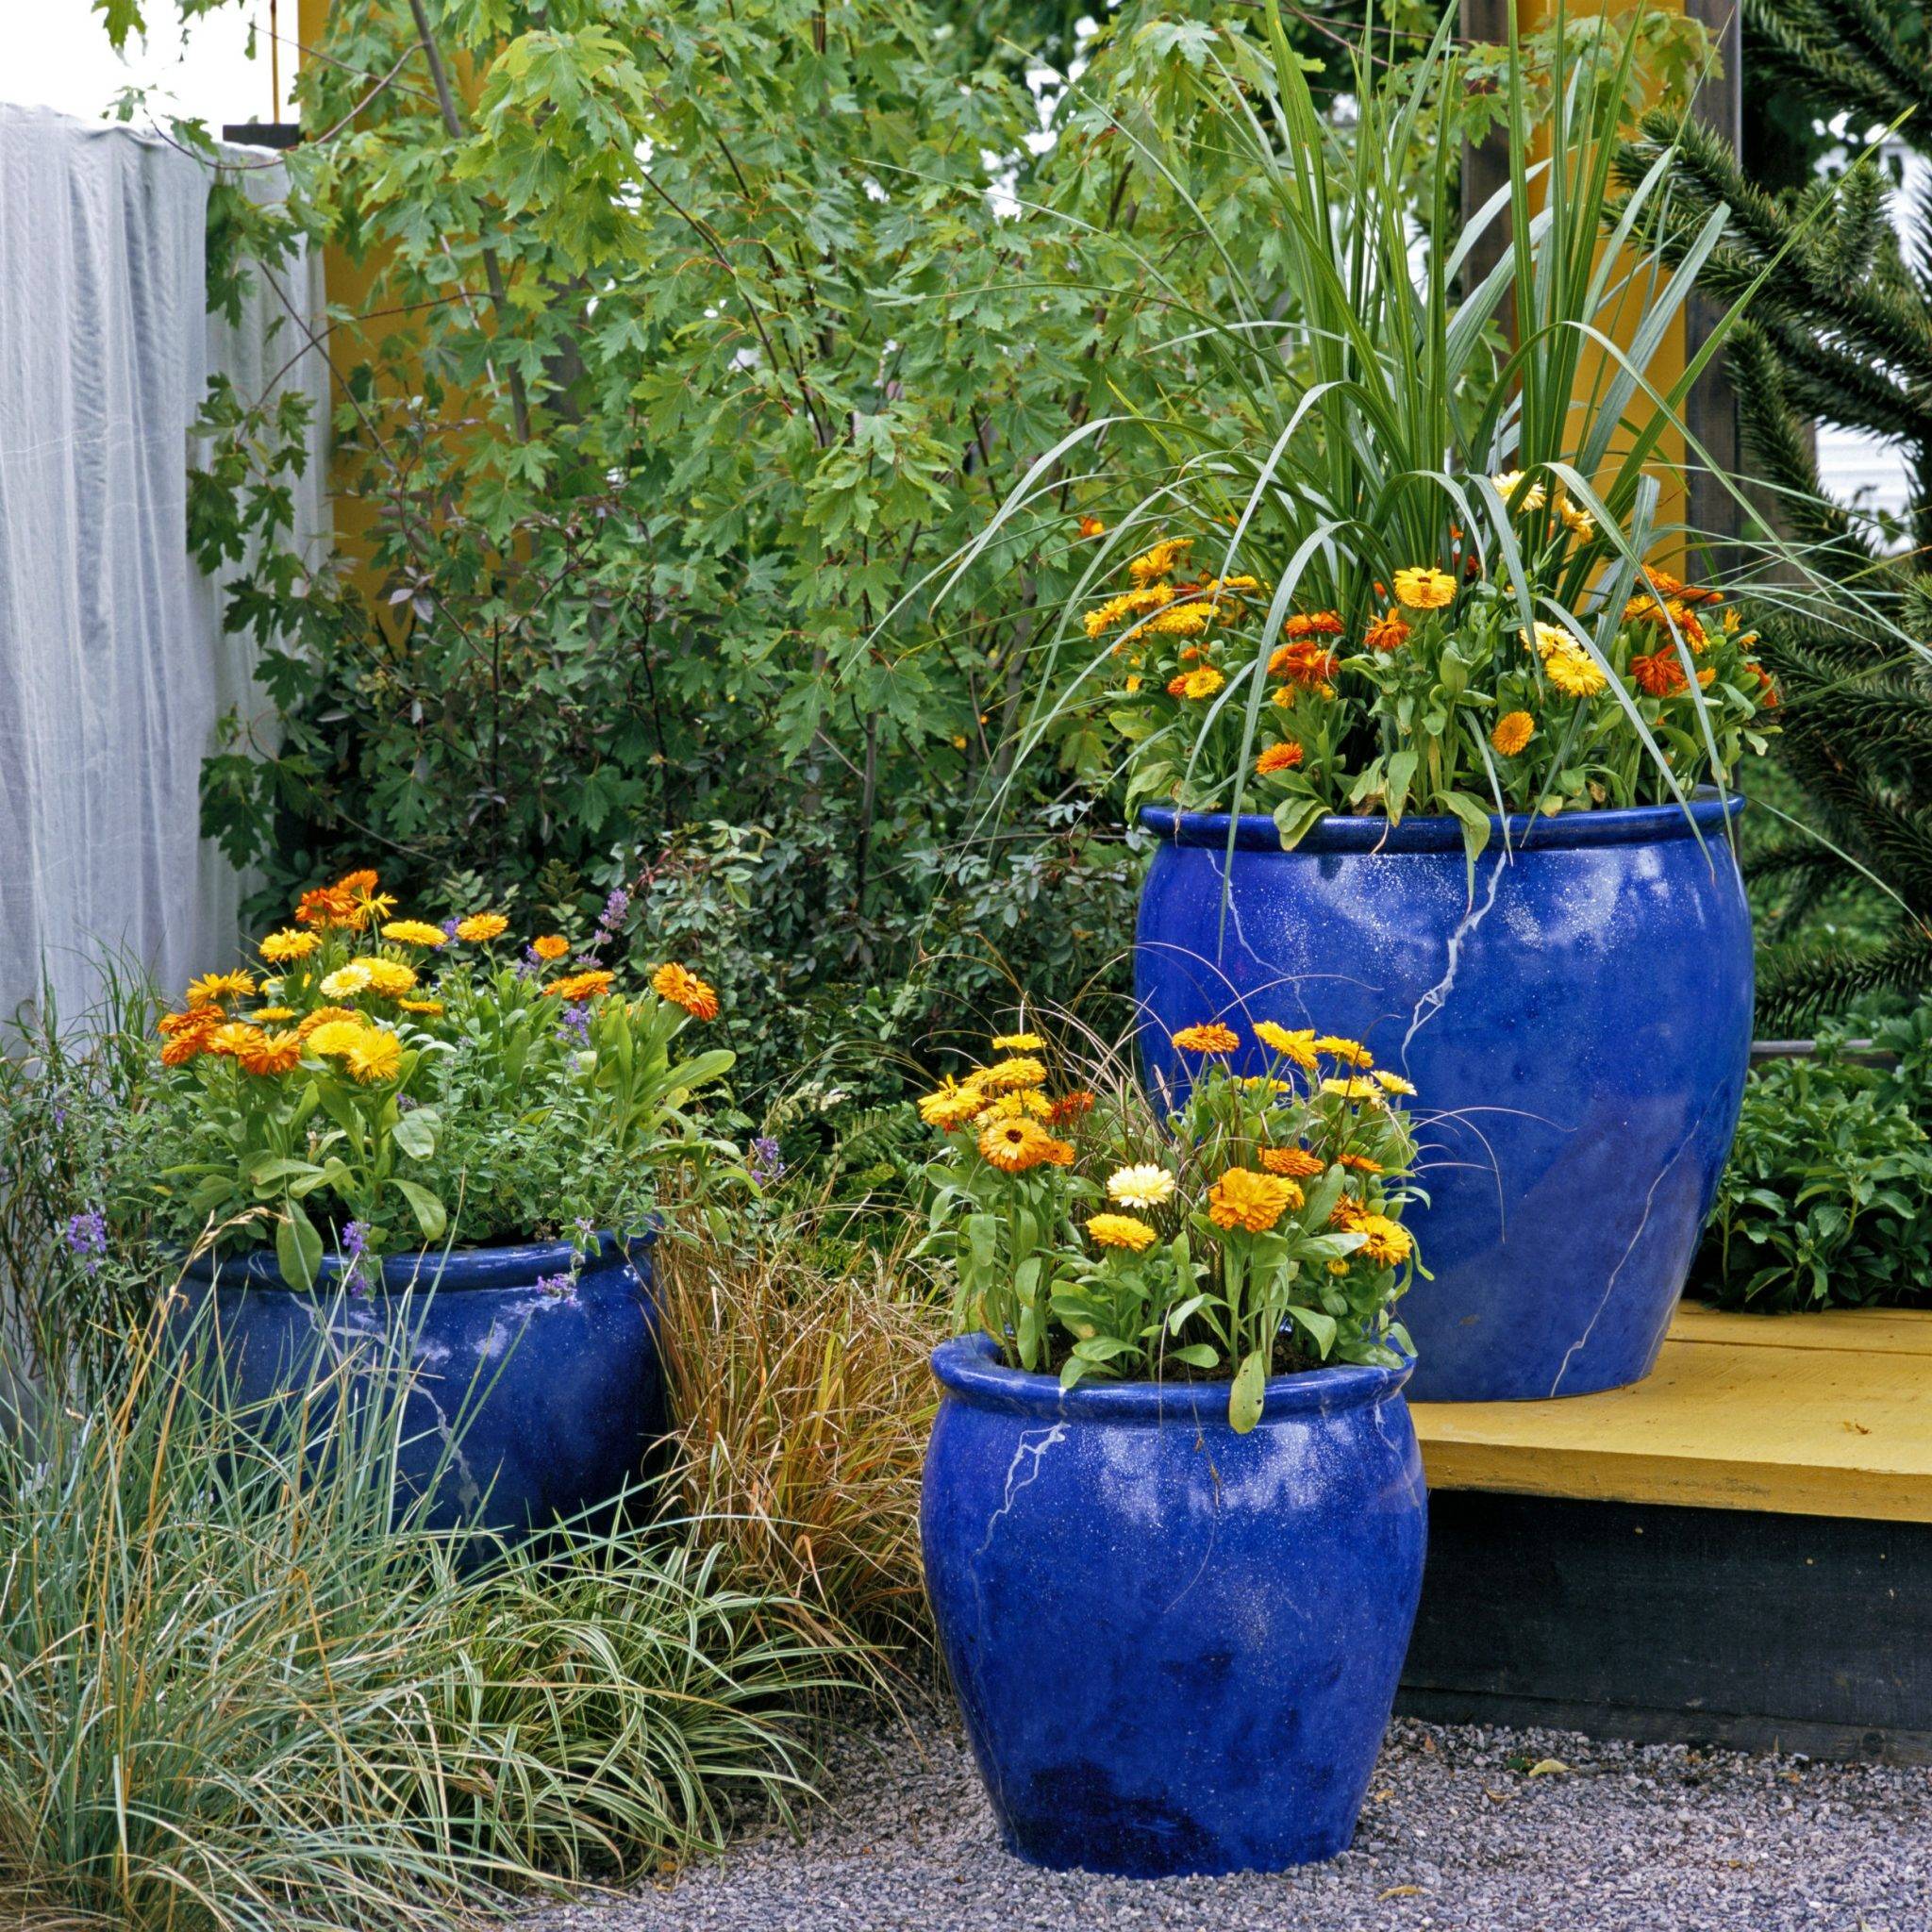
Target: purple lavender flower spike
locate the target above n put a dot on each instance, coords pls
(614, 909)
(355, 1247)
(575, 1027)
(558, 1285)
(87, 1236)
(767, 1160)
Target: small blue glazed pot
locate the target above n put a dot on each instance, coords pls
(1175, 1647)
(558, 1395)
(1577, 1022)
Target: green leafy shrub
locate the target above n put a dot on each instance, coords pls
(1825, 1200)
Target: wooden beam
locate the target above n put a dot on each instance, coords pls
(1710, 412)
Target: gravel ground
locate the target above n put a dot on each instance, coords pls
(1465, 1830)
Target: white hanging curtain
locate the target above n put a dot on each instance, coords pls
(115, 667)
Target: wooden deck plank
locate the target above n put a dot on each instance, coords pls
(1817, 1415)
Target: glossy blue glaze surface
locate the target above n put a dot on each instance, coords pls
(1578, 1024)
(1175, 1647)
(559, 1396)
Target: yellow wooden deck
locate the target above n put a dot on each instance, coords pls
(1808, 1415)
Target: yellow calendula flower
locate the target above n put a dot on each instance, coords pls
(1201, 682)
(1013, 1146)
(481, 927)
(1338, 1266)
(1514, 729)
(280, 948)
(1019, 1071)
(378, 1056)
(1291, 1163)
(1424, 587)
(1388, 1242)
(951, 1104)
(415, 932)
(1029, 1101)
(1255, 1202)
(336, 1038)
(1352, 1088)
(1578, 521)
(1297, 1045)
(1351, 1053)
(551, 946)
(1016, 1043)
(682, 987)
(1392, 1083)
(388, 978)
(1574, 673)
(327, 1016)
(1161, 560)
(212, 987)
(1121, 1231)
(1182, 620)
(345, 982)
(264, 1016)
(426, 1009)
(1144, 1186)
(233, 1039)
(1504, 485)
(1210, 1038)
(1263, 1083)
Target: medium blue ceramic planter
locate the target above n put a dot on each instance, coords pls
(559, 1396)
(1175, 1647)
(1578, 1024)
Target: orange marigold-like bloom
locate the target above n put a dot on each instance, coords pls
(683, 987)
(1161, 560)
(1243, 1198)
(234, 1039)
(212, 986)
(1304, 663)
(1313, 623)
(1676, 590)
(1768, 694)
(1202, 682)
(1212, 1038)
(1386, 633)
(481, 927)
(1072, 1107)
(1347, 1215)
(1017, 1145)
(1283, 757)
(1291, 1163)
(357, 882)
(1659, 674)
(1016, 1070)
(588, 985)
(328, 906)
(326, 1016)
(551, 946)
(272, 1053)
(1092, 526)
(1362, 1164)
(197, 1018)
(1514, 729)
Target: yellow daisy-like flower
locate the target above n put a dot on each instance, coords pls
(388, 978)
(1350, 1052)
(427, 1008)
(280, 948)
(551, 946)
(1360, 1163)
(1030, 1101)
(1579, 522)
(415, 932)
(327, 1016)
(1016, 1043)
(1392, 1083)
(1182, 620)
(1514, 729)
(951, 1104)
(1263, 1083)
(1574, 673)
(1352, 1088)
(1388, 1242)
(1338, 1266)
(336, 1038)
(1201, 682)
(1291, 1163)
(1121, 1231)
(1255, 1202)
(1212, 1038)
(1160, 561)
(213, 987)
(1533, 498)
(378, 1056)
(233, 1039)
(263, 1016)
(1013, 1146)
(345, 982)
(1424, 587)
(1144, 1186)
(1298, 1045)
(1019, 1071)
(481, 927)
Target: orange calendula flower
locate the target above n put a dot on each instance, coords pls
(183, 1048)
(271, 1016)
(1072, 1107)
(329, 1016)
(1768, 694)
(1017, 1069)
(1015, 1146)
(1283, 757)
(415, 932)
(1297, 1045)
(1212, 1038)
(683, 987)
(388, 978)
(1386, 633)
(589, 985)
(359, 882)
(213, 987)
(1249, 1200)
(195, 1020)
(1092, 526)
(1347, 1215)
(1388, 1242)
(233, 1039)
(282, 948)
(1202, 682)
(1121, 1231)
(1424, 587)
(481, 927)
(951, 1104)
(1362, 1164)
(1304, 663)
(1291, 1163)
(1313, 623)
(551, 946)
(271, 1054)
(1514, 729)
(1659, 674)
(328, 906)
(1676, 590)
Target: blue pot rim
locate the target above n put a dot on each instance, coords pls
(1707, 812)
(967, 1367)
(456, 1271)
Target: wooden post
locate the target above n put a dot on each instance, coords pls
(1710, 411)
(1486, 165)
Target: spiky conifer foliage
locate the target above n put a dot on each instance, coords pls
(1840, 332)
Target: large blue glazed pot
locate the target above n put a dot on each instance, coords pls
(1576, 1020)
(1175, 1647)
(555, 1396)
